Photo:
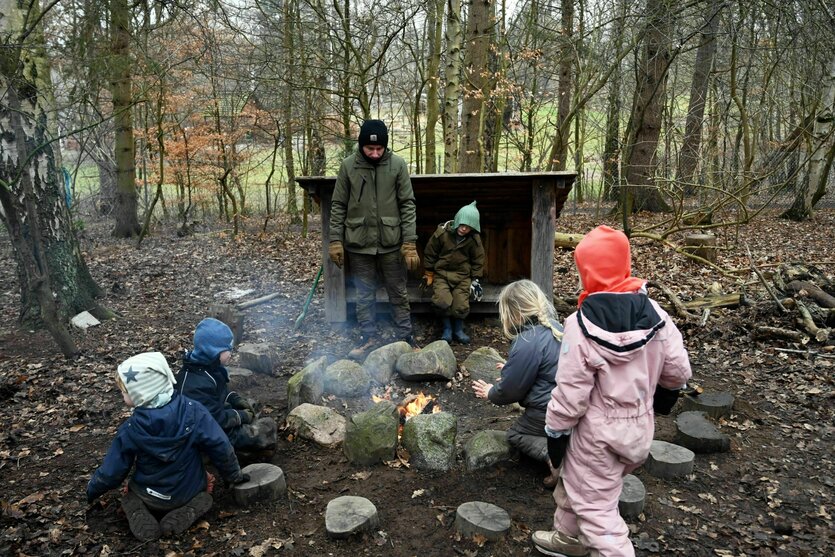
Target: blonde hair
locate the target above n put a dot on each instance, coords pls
(523, 301)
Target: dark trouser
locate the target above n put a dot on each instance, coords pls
(528, 434)
(451, 300)
(154, 503)
(393, 270)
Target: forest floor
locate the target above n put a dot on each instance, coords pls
(772, 494)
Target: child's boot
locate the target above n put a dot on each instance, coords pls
(142, 523)
(458, 331)
(558, 544)
(180, 519)
(447, 334)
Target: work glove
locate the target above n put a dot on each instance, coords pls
(336, 253)
(664, 399)
(247, 416)
(476, 291)
(556, 449)
(409, 251)
(428, 279)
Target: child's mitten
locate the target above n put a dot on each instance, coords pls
(664, 399)
(476, 291)
(556, 449)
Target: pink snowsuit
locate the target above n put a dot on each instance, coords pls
(617, 348)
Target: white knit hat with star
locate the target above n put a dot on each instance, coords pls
(148, 379)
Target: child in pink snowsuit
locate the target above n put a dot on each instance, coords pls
(621, 355)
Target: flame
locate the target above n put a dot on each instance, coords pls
(416, 405)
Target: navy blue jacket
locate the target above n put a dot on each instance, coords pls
(208, 385)
(165, 445)
(528, 375)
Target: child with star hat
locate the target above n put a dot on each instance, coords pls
(162, 442)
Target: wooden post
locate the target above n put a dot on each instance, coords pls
(336, 306)
(702, 245)
(230, 315)
(543, 226)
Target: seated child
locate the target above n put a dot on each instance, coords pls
(453, 261)
(163, 439)
(204, 378)
(528, 376)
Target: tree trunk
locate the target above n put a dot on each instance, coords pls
(54, 280)
(287, 110)
(689, 156)
(647, 107)
(434, 28)
(452, 90)
(125, 210)
(820, 162)
(559, 145)
(480, 22)
(611, 148)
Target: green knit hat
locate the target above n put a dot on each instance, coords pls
(468, 215)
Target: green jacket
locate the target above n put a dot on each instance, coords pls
(453, 260)
(373, 208)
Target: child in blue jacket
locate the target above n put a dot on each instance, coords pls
(204, 378)
(163, 441)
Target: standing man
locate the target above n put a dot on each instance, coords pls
(373, 218)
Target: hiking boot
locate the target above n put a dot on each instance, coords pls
(180, 519)
(557, 544)
(366, 345)
(141, 522)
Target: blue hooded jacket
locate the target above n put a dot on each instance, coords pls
(203, 378)
(166, 446)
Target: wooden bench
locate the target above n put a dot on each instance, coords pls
(518, 220)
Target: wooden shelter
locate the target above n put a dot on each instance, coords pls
(518, 219)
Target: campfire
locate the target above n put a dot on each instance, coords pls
(413, 405)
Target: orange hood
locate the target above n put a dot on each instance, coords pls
(604, 261)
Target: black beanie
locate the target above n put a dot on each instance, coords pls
(373, 132)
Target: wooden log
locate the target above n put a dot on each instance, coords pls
(720, 300)
(256, 301)
(805, 319)
(668, 461)
(350, 514)
(715, 405)
(680, 308)
(568, 241)
(633, 494)
(813, 291)
(695, 432)
(266, 483)
(701, 245)
(480, 518)
(764, 331)
(230, 315)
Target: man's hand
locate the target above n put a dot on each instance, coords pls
(428, 279)
(336, 253)
(481, 388)
(236, 401)
(409, 251)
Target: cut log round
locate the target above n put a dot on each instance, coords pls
(350, 514)
(669, 461)
(633, 495)
(694, 431)
(701, 245)
(478, 517)
(266, 483)
(715, 405)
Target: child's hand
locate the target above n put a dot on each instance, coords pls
(481, 388)
(499, 365)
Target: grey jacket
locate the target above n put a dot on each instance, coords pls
(528, 376)
(373, 208)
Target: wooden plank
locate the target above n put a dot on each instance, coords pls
(336, 308)
(543, 226)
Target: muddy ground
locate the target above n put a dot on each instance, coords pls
(772, 494)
